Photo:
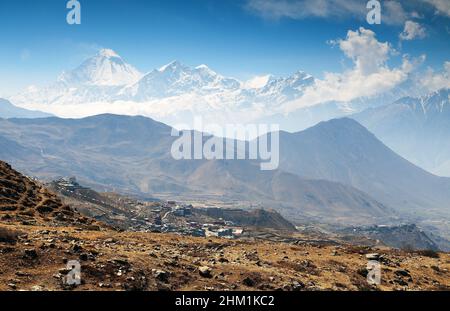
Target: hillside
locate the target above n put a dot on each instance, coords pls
(34, 257)
(254, 218)
(131, 155)
(8, 110)
(24, 201)
(343, 151)
(131, 214)
(404, 236)
(416, 128)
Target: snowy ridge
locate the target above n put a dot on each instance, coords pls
(175, 93)
(106, 77)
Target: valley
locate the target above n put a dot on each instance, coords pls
(336, 172)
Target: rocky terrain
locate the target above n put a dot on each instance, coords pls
(139, 261)
(26, 202)
(404, 237)
(39, 235)
(254, 218)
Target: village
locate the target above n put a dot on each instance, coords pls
(184, 219)
(146, 216)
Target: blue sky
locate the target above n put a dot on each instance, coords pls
(236, 38)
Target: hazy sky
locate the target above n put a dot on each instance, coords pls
(235, 38)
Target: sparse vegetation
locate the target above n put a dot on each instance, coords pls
(429, 253)
(129, 260)
(8, 236)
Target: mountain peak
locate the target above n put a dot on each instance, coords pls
(106, 68)
(301, 75)
(204, 69)
(172, 66)
(202, 66)
(443, 93)
(342, 124)
(108, 53)
(344, 128)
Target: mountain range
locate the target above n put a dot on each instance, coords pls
(176, 93)
(335, 172)
(132, 155)
(417, 128)
(106, 76)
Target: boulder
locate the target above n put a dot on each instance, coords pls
(205, 272)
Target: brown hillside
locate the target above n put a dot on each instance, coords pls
(39, 235)
(25, 201)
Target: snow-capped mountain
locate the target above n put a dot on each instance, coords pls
(175, 93)
(176, 79)
(98, 79)
(305, 117)
(286, 88)
(106, 68)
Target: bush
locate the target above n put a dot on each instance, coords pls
(429, 253)
(8, 235)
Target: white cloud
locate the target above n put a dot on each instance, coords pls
(393, 12)
(369, 76)
(441, 6)
(365, 50)
(434, 81)
(413, 31)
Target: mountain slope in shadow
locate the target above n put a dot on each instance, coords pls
(416, 128)
(344, 151)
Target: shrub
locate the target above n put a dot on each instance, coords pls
(429, 253)
(8, 235)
